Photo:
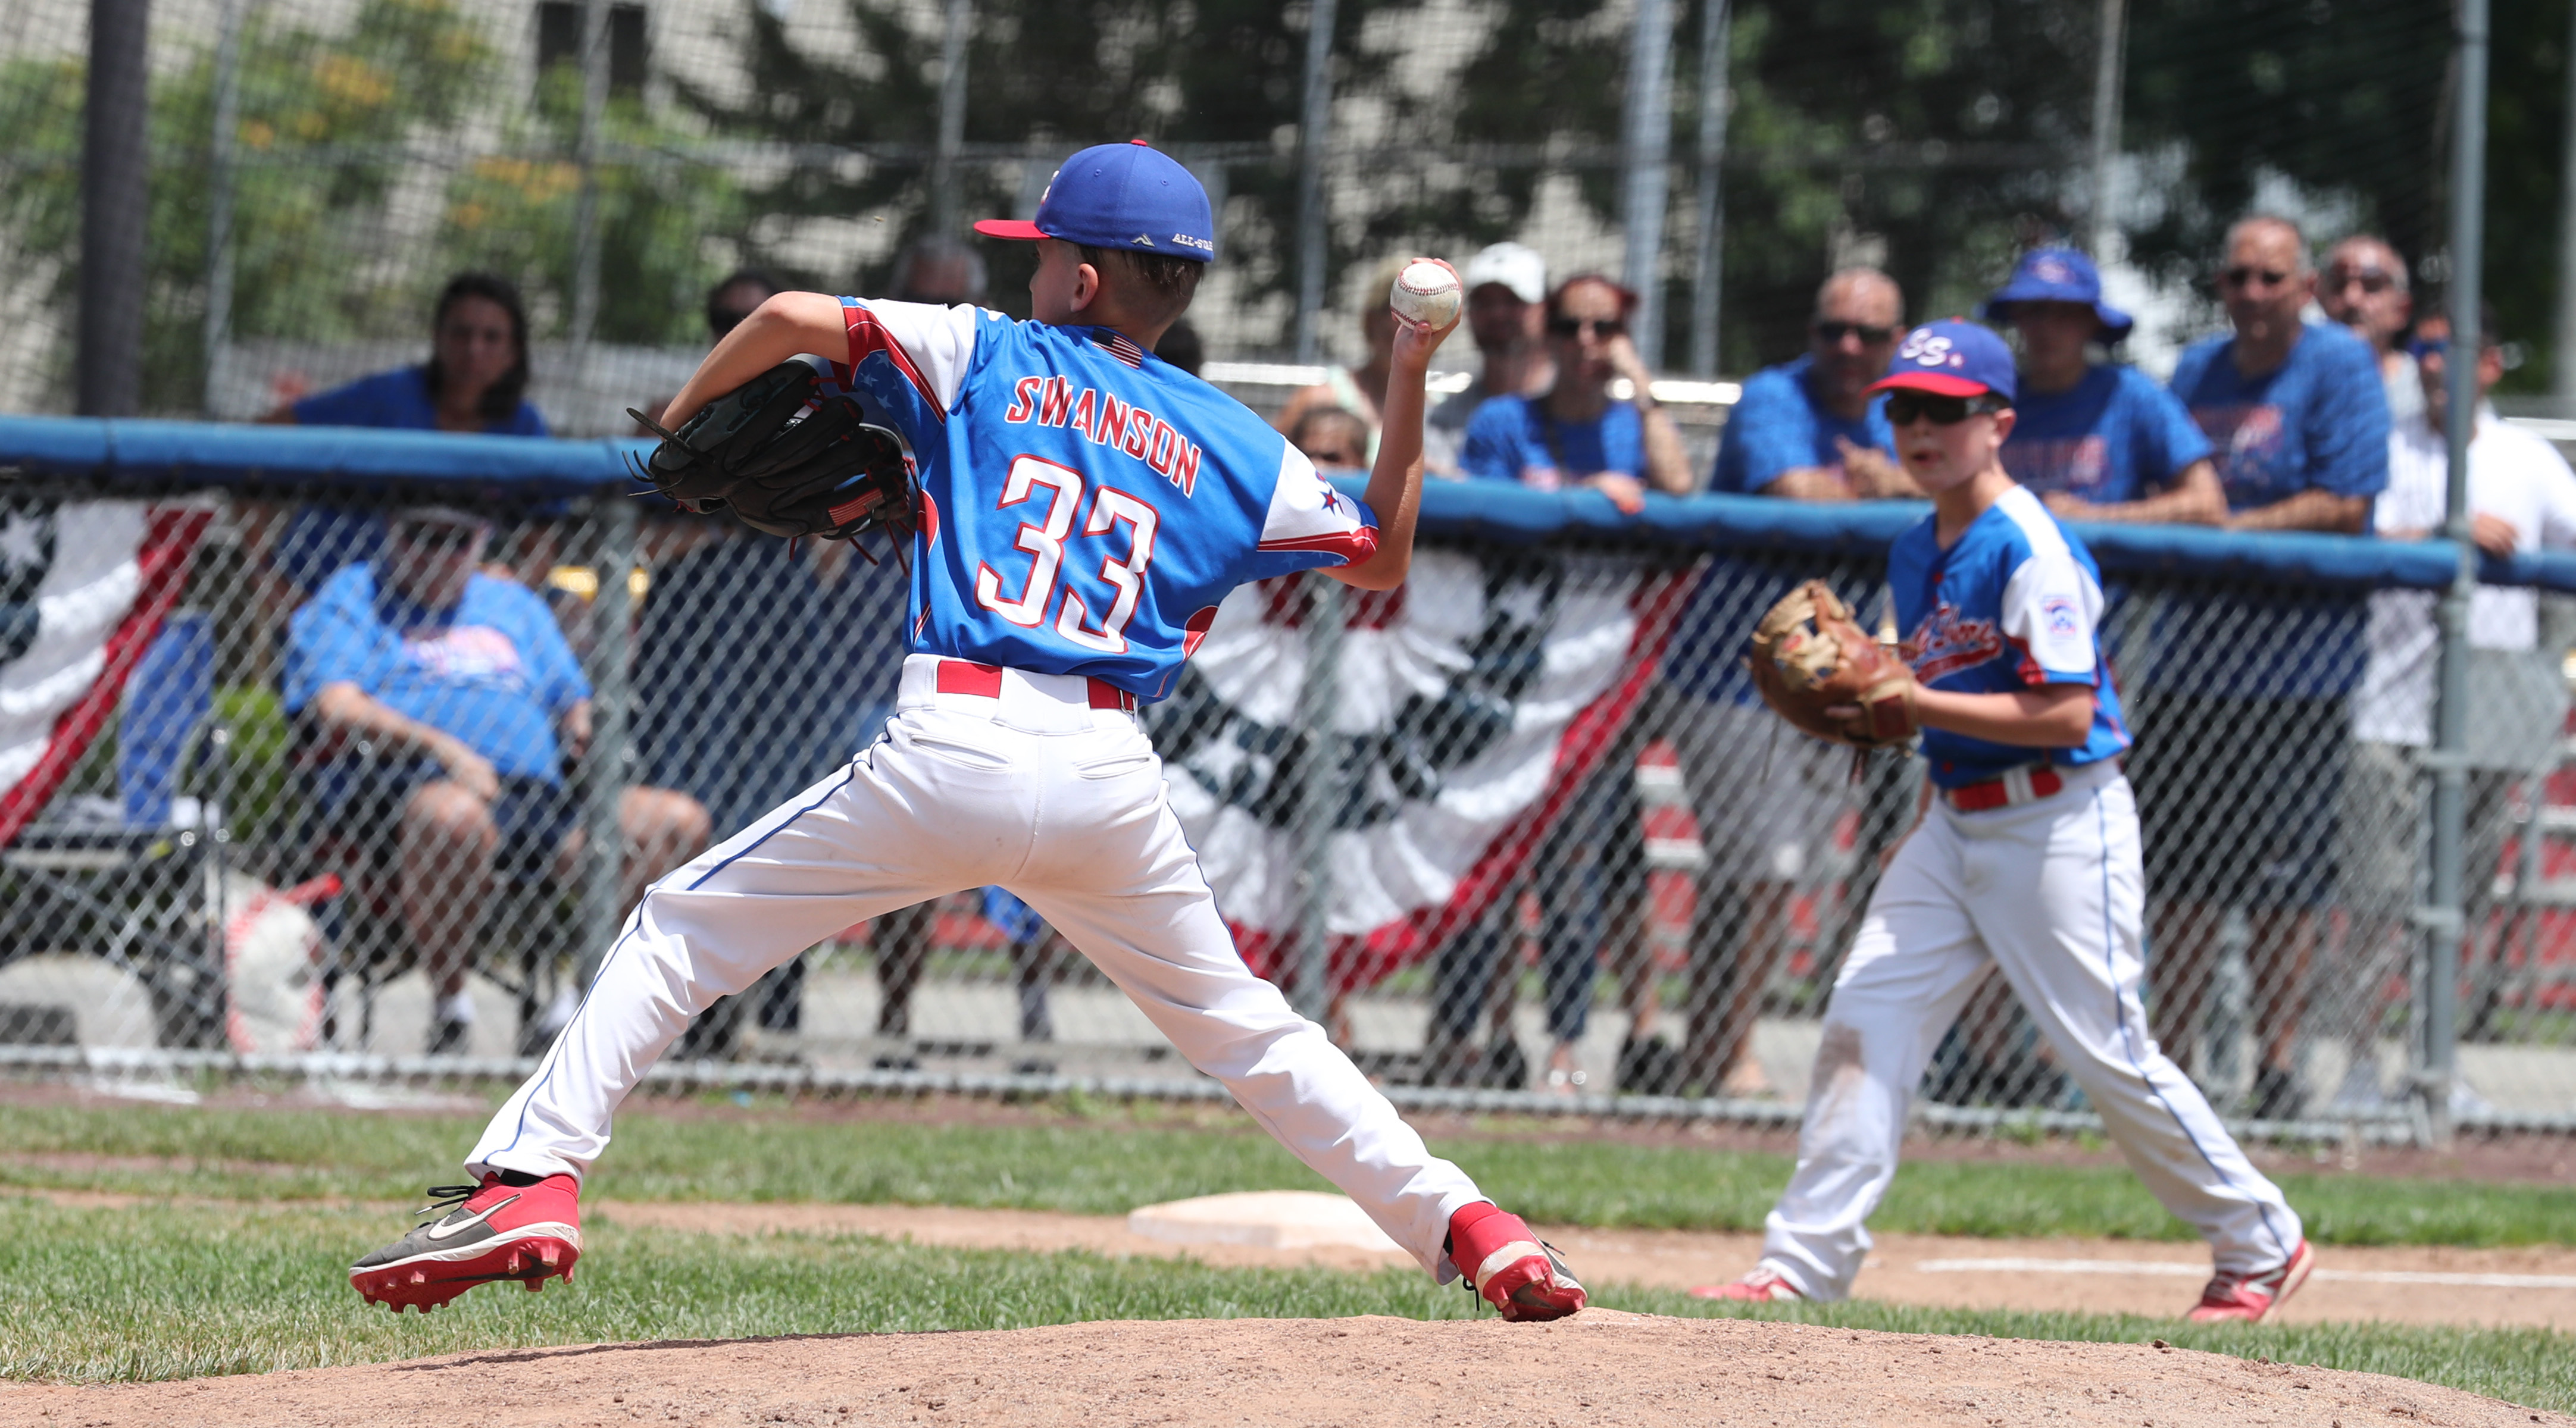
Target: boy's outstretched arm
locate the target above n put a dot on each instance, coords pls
(1395, 481)
(787, 325)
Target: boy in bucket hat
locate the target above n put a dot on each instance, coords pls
(2098, 441)
(1084, 508)
(2026, 860)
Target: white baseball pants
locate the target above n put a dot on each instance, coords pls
(2051, 892)
(1036, 791)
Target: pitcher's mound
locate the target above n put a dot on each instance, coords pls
(1600, 1368)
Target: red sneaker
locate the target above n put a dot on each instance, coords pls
(2251, 1298)
(1516, 1271)
(1763, 1285)
(529, 1232)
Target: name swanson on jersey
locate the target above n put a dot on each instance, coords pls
(1110, 421)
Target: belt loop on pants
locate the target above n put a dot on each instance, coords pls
(2015, 788)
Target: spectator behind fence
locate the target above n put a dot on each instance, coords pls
(1335, 440)
(1809, 429)
(2523, 499)
(728, 303)
(1359, 390)
(2365, 290)
(2242, 723)
(476, 380)
(459, 700)
(1575, 433)
(1506, 315)
(1590, 868)
(1182, 347)
(2097, 441)
(938, 269)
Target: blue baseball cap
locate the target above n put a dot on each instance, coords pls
(1127, 196)
(2057, 275)
(1951, 358)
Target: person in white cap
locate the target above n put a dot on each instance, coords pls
(1506, 305)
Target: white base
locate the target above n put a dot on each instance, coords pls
(1269, 1219)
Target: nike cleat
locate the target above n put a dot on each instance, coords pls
(1511, 1268)
(513, 1226)
(1761, 1285)
(2251, 1298)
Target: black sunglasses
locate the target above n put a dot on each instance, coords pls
(2373, 280)
(1574, 326)
(1837, 331)
(2244, 277)
(1904, 408)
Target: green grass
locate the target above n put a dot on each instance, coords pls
(1111, 1162)
(175, 1291)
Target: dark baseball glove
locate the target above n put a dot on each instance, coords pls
(1821, 671)
(789, 456)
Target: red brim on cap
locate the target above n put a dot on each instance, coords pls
(1020, 228)
(1940, 384)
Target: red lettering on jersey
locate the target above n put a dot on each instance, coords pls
(1140, 432)
(1185, 465)
(1056, 400)
(1159, 454)
(1024, 396)
(1085, 412)
(1112, 426)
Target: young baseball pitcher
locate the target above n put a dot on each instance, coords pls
(2026, 858)
(1083, 509)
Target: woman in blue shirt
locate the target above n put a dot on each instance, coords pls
(2096, 441)
(1575, 434)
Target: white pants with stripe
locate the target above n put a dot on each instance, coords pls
(1036, 791)
(2051, 893)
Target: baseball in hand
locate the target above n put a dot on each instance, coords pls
(1426, 294)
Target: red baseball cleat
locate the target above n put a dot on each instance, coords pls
(2251, 1298)
(1516, 1271)
(1762, 1285)
(529, 1231)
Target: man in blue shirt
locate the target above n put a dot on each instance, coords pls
(2242, 727)
(452, 696)
(1809, 429)
(2097, 441)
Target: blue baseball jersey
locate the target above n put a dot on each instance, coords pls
(2015, 602)
(1777, 427)
(2114, 436)
(1514, 439)
(1085, 504)
(2318, 421)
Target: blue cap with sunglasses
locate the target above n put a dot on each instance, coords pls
(2057, 275)
(1950, 358)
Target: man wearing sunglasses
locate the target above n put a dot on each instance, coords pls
(2522, 499)
(2241, 747)
(453, 699)
(2024, 860)
(2364, 288)
(2096, 441)
(1809, 429)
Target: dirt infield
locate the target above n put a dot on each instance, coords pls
(1601, 1368)
(2534, 1287)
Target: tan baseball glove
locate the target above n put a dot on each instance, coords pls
(1818, 669)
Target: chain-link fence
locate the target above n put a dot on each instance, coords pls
(357, 781)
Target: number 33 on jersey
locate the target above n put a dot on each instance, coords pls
(1100, 503)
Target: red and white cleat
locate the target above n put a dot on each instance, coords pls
(1762, 1285)
(2251, 1298)
(529, 1232)
(1514, 1270)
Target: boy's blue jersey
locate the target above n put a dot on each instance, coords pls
(2016, 602)
(1086, 505)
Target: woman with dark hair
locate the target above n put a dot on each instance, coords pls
(476, 378)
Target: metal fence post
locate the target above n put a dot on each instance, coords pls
(585, 219)
(1648, 142)
(1312, 125)
(612, 698)
(115, 201)
(2443, 926)
(1319, 793)
(2103, 221)
(219, 196)
(1716, 37)
(952, 119)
